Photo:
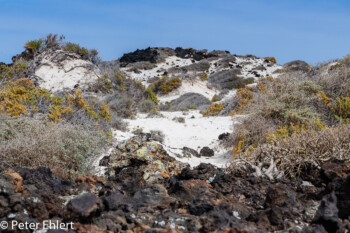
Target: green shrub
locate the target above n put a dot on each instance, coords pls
(151, 96)
(120, 81)
(203, 76)
(147, 106)
(91, 54)
(287, 100)
(22, 98)
(34, 46)
(170, 85)
(213, 110)
(179, 119)
(103, 83)
(341, 109)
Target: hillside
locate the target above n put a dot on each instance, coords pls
(173, 140)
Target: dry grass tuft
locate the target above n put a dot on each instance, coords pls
(64, 148)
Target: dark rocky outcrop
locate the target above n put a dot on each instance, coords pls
(206, 152)
(192, 53)
(25, 55)
(149, 54)
(135, 198)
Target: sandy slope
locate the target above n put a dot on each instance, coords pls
(196, 132)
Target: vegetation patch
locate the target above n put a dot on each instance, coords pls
(203, 76)
(165, 84)
(298, 151)
(170, 85)
(213, 110)
(64, 148)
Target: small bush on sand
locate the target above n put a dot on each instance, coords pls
(165, 85)
(118, 123)
(64, 148)
(157, 135)
(170, 85)
(213, 110)
(203, 76)
(122, 106)
(151, 96)
(179, 119)
(147, 106)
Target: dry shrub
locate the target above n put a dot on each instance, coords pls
(61, 147)
(294, 120)
(287, 100)
(118, 123)
(275, 103)
(251, 132)
(337, 82)
(157, 135)
(147, 106)
(334, 79)
(295, 152)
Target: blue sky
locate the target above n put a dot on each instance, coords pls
(311, 30)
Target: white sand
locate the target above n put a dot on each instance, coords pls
(58, 76)
(195, 133)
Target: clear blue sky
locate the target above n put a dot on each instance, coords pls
(311, 30)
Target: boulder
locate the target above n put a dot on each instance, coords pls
(148, 157)
(206, 152)
(189, 151)
(189, 99)
(227, 79)
(327, 214)
(296, 65)
(83, 206)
